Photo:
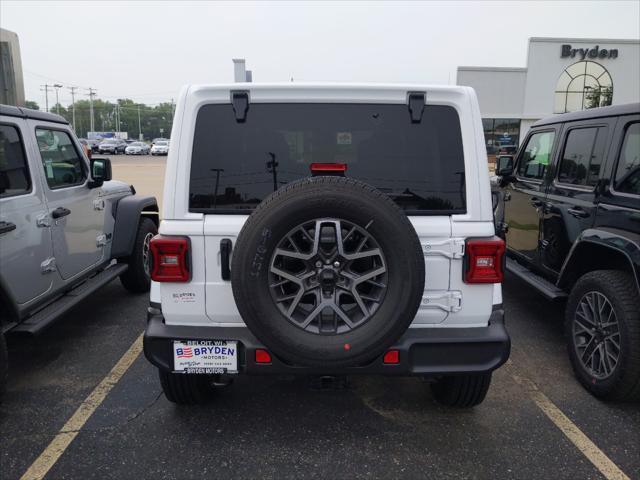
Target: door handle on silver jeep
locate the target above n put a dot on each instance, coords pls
(578, 212)
(6, 227)
(536, 202)
(60, 212)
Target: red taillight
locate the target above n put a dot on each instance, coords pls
(328, 168)
(170, 259)
(262, 356)
(392, 357)
(483, 261)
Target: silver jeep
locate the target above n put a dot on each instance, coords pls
(66, 228)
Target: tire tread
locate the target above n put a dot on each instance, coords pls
(627, 385)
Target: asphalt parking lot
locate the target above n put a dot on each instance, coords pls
(537, 422)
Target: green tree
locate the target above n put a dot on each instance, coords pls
(32, 105)
(153, 119)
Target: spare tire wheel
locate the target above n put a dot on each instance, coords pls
(328, 271)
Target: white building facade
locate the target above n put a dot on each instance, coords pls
(561, 75)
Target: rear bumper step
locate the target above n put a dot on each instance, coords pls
(423, 351)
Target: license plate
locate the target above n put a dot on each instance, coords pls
(205, 356)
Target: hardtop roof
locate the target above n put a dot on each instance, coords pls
(22, 112)
(611, 111)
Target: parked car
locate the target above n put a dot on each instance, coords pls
(112, 145)
(159, 139)
(507, 149)
(66, 228)
(277, 258)
(94, 144)
(85, 146)
(568, 205)
(161, 147)
(137, 148)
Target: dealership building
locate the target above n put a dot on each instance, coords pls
(561, 75)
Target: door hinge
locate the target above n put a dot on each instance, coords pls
(449, 301)
(49, 265)
(450, 248)
(43, 220)
(98, 204)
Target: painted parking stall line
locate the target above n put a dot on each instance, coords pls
(70, 430)
(583, 443)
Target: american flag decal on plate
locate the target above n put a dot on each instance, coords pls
(184, 352)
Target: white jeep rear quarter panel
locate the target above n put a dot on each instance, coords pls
(208, 300)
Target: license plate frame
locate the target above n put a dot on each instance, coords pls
(205, 357)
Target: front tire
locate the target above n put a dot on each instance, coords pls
(462, 391)
(602, 323)
(137, 278)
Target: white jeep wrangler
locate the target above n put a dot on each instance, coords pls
(327, 230)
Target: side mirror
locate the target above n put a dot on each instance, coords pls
(504, 166)
(100, 172)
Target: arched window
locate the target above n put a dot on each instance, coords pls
(583, 85)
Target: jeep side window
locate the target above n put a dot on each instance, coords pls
(63, 166)
(627, 178)
(14, 173)
(536, 155)
(582, 156)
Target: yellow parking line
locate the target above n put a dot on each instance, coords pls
(589, 449)
(68, 432)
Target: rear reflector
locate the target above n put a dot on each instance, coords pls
(328, 168)
(262, 356)
(392, 357)
(484, 261)
(170, 259)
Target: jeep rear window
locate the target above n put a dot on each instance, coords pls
(236, 165)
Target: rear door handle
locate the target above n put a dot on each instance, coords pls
(60, 212)
(578, 212)
(536, 202)
(225, 258)
(6, 227)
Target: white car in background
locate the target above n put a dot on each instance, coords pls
(137, 148)
(160, 148)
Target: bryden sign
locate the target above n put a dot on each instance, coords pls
(595, 52)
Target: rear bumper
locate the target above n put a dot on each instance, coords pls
(423, 351)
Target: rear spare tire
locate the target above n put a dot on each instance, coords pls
(328, 271)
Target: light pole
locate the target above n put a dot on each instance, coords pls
(92, 93)
(139, 127)
(45, 89)
(73, 106)
(215, 192)
(57, 86)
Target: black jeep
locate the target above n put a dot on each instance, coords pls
(568, 206)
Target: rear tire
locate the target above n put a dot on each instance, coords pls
(185, 389)
(620, 290)
(462, 391)
(4, 365)
(137, 278)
